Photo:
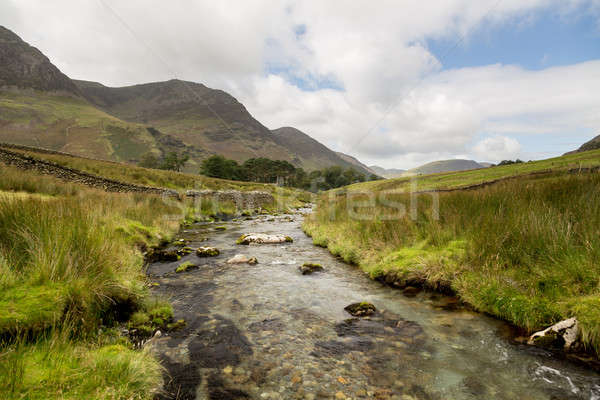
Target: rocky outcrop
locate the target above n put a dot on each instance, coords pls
(243, 200)
(564, 334)
(67, 174)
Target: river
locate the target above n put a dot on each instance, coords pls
(266, 331)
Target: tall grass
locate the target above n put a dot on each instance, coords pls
(525, 250)
(69, 265)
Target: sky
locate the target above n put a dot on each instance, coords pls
(394, 83)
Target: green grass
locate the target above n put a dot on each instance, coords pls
(70, 264)
(526, 250)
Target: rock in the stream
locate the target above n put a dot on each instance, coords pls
(563, 334)
(361, 309)
(207, 252)
(242, 259)
(309, 268)
(263, 238)
(186, 266)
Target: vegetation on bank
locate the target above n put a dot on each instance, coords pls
(526, 250)
(271, 171)
(70, 272)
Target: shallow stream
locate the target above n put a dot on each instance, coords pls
(266, 331)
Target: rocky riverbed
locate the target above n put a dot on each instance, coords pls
(266, 331)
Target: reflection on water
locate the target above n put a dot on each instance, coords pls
(266, 331)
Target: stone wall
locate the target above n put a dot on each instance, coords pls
(243, 200)
(25, 162)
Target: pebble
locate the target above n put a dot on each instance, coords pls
(228, 370)
(340, 396)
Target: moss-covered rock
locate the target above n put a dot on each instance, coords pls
(186, 266)
(309, 268)
(207, 251)
(263, 238)
(361, 309)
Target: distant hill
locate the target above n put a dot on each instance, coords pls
(593, 144)
(446, 166)
(387, 173)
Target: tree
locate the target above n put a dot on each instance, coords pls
(149, 160)
(173, 161)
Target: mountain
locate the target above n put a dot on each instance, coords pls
(309, 152)
(593, 144)
(40, 106)
(354, 161)
(445, 166)
(387, 173)
(25, 67)
(193, 113)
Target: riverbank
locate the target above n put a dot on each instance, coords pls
(526, 250)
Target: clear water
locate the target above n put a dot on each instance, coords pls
(267, 332)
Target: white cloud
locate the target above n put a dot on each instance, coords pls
(397, 107)
(497, 148)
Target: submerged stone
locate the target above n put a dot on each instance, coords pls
(309, 268)
(242, 259)
(361, 309)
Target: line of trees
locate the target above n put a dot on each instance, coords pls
(265, 170)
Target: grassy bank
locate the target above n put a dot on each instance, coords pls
(526, 250)
(70, 271)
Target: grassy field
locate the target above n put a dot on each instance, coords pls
(71, 274)
(526, 250)
(450, 180)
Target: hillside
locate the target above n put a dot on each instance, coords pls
(593, 144)
(354, 161)
(191, 112)
(309, 152)
(445, 166)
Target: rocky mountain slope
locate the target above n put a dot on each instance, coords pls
(23, 66)
(593, 144)
(311, 153)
